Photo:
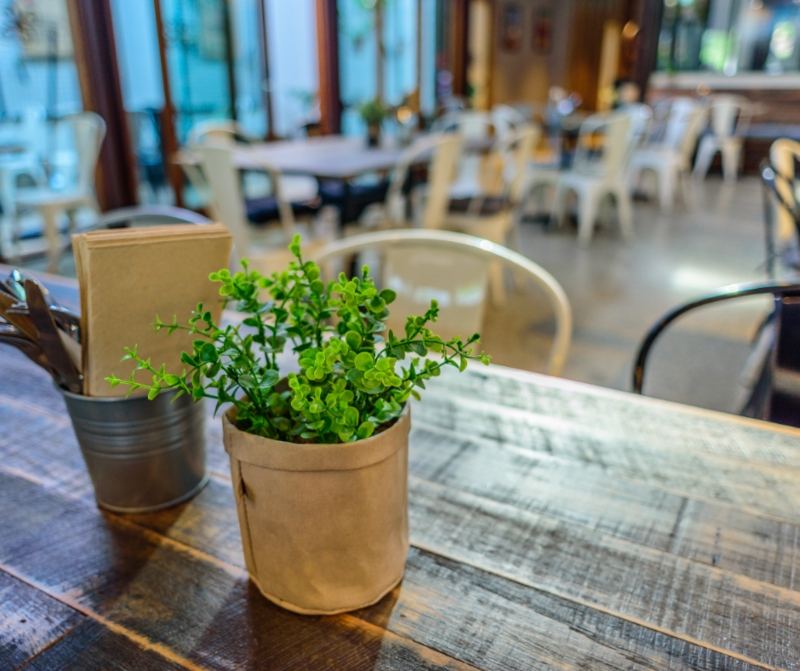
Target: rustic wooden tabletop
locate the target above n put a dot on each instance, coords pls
(554, 525)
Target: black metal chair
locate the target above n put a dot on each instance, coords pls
(775, 393)
(775, 186)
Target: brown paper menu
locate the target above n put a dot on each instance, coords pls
(127, 278)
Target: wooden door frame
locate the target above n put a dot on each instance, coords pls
(92, 28)
(169, 137)
(330, 101)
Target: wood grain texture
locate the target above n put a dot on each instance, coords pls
(30, 621)
(554, 526)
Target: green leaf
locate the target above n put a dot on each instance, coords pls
(363, 361)
(365, 430)
(388, 295)
(353, 340)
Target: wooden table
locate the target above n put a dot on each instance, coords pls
(554, 525)
(333, 157)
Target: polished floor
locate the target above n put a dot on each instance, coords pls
(618, 288)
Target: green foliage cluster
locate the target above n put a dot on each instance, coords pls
(353, 379)
(373, 111)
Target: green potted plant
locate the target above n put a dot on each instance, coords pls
(318, 456)
(373, 112)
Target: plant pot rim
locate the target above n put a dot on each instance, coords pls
(285, 455)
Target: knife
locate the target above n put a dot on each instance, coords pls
(67, 374)
(10, 335)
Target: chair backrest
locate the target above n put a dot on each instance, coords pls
(784, 155)
(780, 359)
(730, 115)
(89, 130)
(472, 124)
(506, 119)
(421, 265)
(442, 151)
(604, 145)
(641, 115)
(218, 131)
(227, 200)
(516, 151)
(685, 121)
(148, 215)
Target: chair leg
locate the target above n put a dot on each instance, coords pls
(730, 161)
(667, 176)
(559, 206)
(624, 212)
(50, 217)
(587, 213)
(705, 154)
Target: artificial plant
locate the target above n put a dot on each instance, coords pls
(354, 376)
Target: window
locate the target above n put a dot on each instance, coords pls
(730, 36)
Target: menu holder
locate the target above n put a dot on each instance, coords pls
(128, 277)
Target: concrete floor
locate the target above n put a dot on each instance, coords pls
(618, 288)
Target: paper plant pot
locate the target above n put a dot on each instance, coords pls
(324, 527)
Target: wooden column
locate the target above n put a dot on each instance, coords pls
(328, 54)
(649, 17)
(169, 138)
(459, 34)
(230, 55)
(96, 60)
(266, 81)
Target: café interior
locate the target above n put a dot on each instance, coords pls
(605, 190)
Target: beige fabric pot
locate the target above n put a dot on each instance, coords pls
(324, 527)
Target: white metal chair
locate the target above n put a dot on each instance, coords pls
(29, 133)
(452, 268)
(730, 117)
(89, 129)
(506, 119)
(441, 152)
(599, 170)
(228, 207)
(671, 158)
(218, 131)
(495, 217)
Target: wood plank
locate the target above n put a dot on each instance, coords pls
(30, 621)
(614, 411)
(760, 547)
(485, 620)
(671, 594)
(173, 599)
(93, 647)
(695, 465)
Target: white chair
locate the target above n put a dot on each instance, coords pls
(599, 170)
(441, 152)
(30, 134)
(88, 129)
(506, 119)
(730, 117)
(476, 127)
(671, 157)
(228, 207)
(452, 268)
(218, 131)
(495, 216)
(784, 156)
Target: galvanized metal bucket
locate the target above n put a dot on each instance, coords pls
(141, 455)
